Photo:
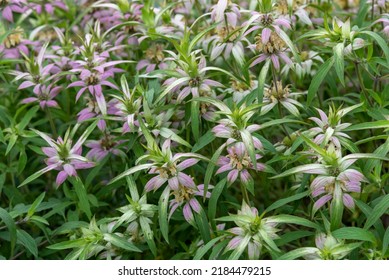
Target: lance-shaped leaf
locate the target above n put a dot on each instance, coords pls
(203, 250)
(163, 213)
(290, 44)
(314, 168)
(148, 234)
(354, 233)
(377, 212)
(318, 79)
(10, 224)
(339, 61)
(169, 134)
(38, 174)
(290, 219)
(336, 207)
(120, 242)
(298, 253)
(380, 41)
(368, 125)
(131, 171)
(216, 102)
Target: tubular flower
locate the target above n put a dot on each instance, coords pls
(238, 162)
(279, 94)
(274, 49)
(186, 197)
(64, 157)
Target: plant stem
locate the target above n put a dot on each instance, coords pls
(244, 194)
(52, 125)
(362, 85)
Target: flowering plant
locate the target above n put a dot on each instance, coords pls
(189, 129)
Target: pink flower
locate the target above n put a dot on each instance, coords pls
(267, 23)
(154, 58)
(48, 7)
(103, 147)
(64, 157)
(238, 163)
(14, 45)
(93, 82)
(225, 9)
(13, 6)
(274, 49)
(349, 180)
(188, 84)
(186, 197)
(45, 96)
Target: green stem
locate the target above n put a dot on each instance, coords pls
(245, 194)
(362, 85)
(275, 80)
(52, 125)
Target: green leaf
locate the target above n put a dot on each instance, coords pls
(35, 204)
(211, 167)
(300, 252)
(131, 171)
(68, 244)
(216, 102)
(307, 169)
(337, 207)
(121, 242)
(339, 61)
(385, 242)
(198, 37)
(377, 212)
(146, 133)
(37, 174)
(195, 119)
(22, 160)
(27, 118)
(133, 188)
(28, 242)
(262, 80)
(368, 125)
(380, 41)
(354, 233)
(163, 215)
(204, 141)
(287, 200)
(318, 79)
(289, 219)
(9, 222)
(203, 225)
(213, 201)
(11, 143)
(169, 134)
(82, 196)
(85, 135)
(203, 250)
(290, 44)
(148, 234)
(367, 211)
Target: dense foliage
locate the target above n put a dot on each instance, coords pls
(194, 129)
